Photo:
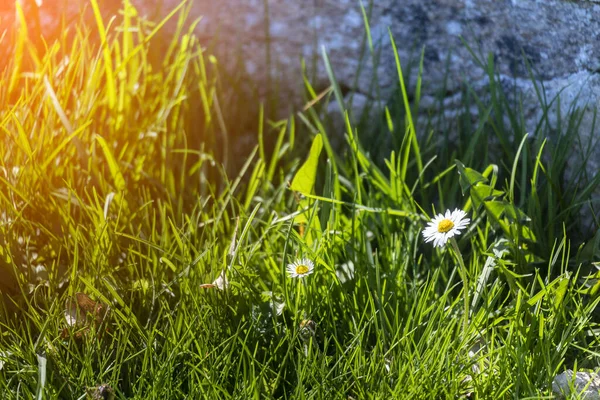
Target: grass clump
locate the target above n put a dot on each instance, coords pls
(132, 261)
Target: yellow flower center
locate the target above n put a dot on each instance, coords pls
(301, 269)
(445, 225)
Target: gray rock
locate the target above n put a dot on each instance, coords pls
(559, 38)
(267, 38)
(585, 385)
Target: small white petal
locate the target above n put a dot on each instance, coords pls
(432, 232)
(292, 269)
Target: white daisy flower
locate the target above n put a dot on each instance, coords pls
(444, 226)
(300, 268)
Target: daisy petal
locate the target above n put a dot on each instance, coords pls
(442, 227)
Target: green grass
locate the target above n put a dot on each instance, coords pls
(113, 185)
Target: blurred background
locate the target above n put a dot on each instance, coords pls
(555, 40)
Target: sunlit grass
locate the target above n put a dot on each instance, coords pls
(113, 185)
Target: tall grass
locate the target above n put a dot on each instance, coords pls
(108, 189)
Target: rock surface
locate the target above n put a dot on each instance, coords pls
(559, 38)
(585, 385)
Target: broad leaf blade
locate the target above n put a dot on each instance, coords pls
(468, 177)
(115, 171)
(304, 181)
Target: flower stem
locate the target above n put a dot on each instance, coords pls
(462, 270)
